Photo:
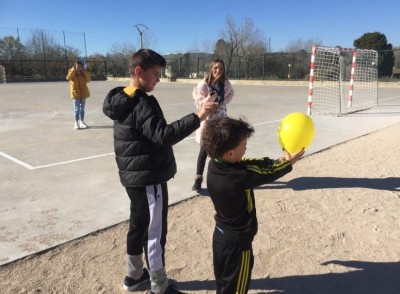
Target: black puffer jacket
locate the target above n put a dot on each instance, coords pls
(142, 138)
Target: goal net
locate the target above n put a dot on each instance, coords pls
(342, 80)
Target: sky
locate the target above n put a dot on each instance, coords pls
(184, 25)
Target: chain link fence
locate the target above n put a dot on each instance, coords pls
(271, 66)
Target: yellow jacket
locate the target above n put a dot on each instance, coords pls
(78, 83)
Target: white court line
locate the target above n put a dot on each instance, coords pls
(388, 98)
(30, 167)
(16, 160)
(267, 122)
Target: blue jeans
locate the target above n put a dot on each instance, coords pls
(79, 108)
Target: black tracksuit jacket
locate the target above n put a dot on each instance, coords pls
(231, 190)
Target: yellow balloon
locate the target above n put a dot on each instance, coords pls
(295, 132)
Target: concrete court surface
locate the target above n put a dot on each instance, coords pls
(58, 183)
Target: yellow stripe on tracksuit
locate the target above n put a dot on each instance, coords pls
(250, 205)
(275, 167)
(244, 273)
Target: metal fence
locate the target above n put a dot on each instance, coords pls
(271, 66)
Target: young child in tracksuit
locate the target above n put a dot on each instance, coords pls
(143, 149)
(230, 182)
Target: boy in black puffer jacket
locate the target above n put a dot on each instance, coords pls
(143, 149)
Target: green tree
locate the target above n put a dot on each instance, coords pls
(10, 48)
(12, 51)
(377, 41)
(221, 48)
(97, 65)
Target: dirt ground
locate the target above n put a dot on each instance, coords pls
(330, 226)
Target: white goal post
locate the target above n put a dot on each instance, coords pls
(342, 80)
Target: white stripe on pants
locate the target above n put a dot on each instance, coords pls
(154, 249)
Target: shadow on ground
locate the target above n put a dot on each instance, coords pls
(312, 183)
(364, 277)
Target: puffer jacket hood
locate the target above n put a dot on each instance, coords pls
(117, 107)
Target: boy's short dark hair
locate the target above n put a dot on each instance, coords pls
(146, 58)
(223, 134)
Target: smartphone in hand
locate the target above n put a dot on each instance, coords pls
(212, 96)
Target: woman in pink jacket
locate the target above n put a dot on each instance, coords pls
(215, 81)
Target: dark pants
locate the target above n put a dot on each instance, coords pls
(148, 223)
(201, 161)
(233, 265)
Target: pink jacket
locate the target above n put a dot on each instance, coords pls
(200, 92)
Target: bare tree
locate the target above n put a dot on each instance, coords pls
(300, 45)
(232, 38)
(244, 43)
(253, 46)
(206, 46)
(122, 50)
(120, 54)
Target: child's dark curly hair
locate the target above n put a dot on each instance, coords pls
(223, 134)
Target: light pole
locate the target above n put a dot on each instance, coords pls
(290, 71)
(141, 33)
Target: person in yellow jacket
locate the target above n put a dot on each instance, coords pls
(78, 78)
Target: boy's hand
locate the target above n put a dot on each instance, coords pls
(293, 157)
(206, 109)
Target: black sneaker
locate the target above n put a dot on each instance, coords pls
(197, 183)
(131, 284)
(196, 187)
